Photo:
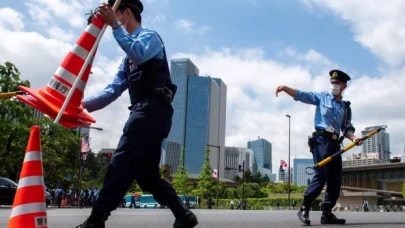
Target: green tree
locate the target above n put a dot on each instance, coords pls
(95, 172)
(251, 190)
(15, 122)
(282, 188)
(206, 184)
(222, 190)
(59, 144)
(232, 193)
(59, 150)
(162, 173)
(181, 182)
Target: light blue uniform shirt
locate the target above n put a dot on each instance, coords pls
(329, 112)
(139, 49)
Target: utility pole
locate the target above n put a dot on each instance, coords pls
(289, 159)
(243, 186)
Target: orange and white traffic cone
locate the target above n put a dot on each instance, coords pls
(50, 98)
(29, 206)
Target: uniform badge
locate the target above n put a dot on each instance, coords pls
(334, 75)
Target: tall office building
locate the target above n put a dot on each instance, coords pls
(250, 163)
(199, 118)
(378, 143)
(300, 177)
(241, 155)
(180, 69)
(262, 152)
(232, 161)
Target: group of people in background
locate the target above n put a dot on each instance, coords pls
(60, 198)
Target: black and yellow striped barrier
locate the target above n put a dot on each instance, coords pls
(346, 148)
(11, 94)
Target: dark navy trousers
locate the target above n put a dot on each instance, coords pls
(137, 156)
(330, 174)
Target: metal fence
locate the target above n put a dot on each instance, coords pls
(371, 208)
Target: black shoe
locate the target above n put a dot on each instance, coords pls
(95, 221)
(303, 215)
(91, 224)
(184, 217)
(189, 220)
(329, 218)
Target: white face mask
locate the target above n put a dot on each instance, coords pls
(335, 89)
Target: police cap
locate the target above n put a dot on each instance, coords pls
(338, 76)
(128, 3)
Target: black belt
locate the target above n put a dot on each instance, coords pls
(159, 93)
(331, 135)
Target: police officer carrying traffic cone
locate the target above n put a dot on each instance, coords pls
(332, 115)
(145, 73)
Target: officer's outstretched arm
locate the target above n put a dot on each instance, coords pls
(299, 95)
(109, 94)
(307, 97)
(145, 46)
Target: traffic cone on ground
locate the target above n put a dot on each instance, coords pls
(29, 206)
(63, 203)
(50, 98)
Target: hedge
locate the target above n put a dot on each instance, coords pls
(260, 203)
(257, 203)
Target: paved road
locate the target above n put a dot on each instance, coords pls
(144, 218)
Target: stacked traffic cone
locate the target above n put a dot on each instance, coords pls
(29, 206)
(50, 98)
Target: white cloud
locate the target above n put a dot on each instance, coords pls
(60, 34)
(378, 26)
(191, 27)
(38, 14)
(55, 11)
(10, 17)
(155, 19)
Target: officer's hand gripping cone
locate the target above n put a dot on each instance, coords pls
(50, 98)
(29, 206)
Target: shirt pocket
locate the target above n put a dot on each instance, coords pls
(326, 110)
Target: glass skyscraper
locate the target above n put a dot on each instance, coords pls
(180, 69)
(198, 119)
(378, 143)
(301, 178)
(262, 151)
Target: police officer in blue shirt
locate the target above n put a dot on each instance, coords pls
(332, 115)
(145, 73)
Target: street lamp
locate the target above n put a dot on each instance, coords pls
(289, 164)
(77, 163)
(218, 157)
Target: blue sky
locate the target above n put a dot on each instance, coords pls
(252, 45)
(272, 25)
(269, 24)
